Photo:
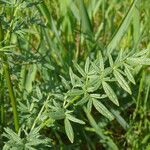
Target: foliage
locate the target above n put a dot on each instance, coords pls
(73, 74)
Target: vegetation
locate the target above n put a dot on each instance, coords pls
(74, 74)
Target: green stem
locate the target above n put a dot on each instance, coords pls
(8, 81)
(72, 101)
(2, 109)
(139, 95)
(11, 92)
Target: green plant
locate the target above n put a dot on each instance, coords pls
(70, 75)
(24, 140)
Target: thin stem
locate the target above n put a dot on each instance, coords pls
(11, 93)
(139, 95)
(40, 113)
(2, 109)
(71, 102)
(8, 81)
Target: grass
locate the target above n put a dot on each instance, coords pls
(74, 74)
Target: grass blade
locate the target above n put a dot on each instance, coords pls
(85, 20)
(122, 28)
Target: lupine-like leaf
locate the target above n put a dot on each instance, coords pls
(110, 93)
(82, 101)
(69, 130)
(129, 74)
(101, 61)
(122, 82)
(89, 105)
(139, 61)
(73, 119)
(79, 69)
(111, 62)
(102, 109)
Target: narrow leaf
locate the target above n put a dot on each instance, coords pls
(69, 130)
(95, 67)
(85, 20)
(108, 141)
(139, 61)
(141, 53)
(73, 119)
(75, 92)
(30, 77)
(87, 64)
(80, 70)
(102, 109)
(111, 62)
(89, 105)
(82, 101)
(98, 96)
(110, 93)
(122, 28)
(122, 82)
(129, 74)
(65, 83)
(120, 119)
(101, 61)
(71, 76)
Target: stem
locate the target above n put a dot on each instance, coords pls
(2, 109)
(8, 81)
(38, 116)
(40, 113)
(71, 102)
(139, 95)
(11, 92)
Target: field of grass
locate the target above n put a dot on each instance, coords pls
(74, 74)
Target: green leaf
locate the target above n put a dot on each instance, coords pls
(74, 10)
(122, 28)
(141, 53)
(94, 6)
(85, 20)
(45, 12)
(71, 76)
(80, 70)
(75, 92)
(65, 83)
(98, 96)
(82, 101)
(129, 74)
(119, 57)
(137, 24)
(99, 131)
(122, 82)
(30, 77)
(120, 119)
(102, 109)
(69, 130)
(94, 85)
(92, 121)
(87, 64)
(101, 61)
(95, 67)
(57, 115)
(89, 105)
(110, 93)
(111, 62)
(139, 61)
(73, 119)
